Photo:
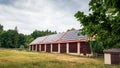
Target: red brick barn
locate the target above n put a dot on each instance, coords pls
(68, 42)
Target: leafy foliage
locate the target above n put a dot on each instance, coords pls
(103, 22)
(13, 39)
(9, 39)
(21, 47)
(37, 33)
(1, 31)
(97, 47)
(71, 29)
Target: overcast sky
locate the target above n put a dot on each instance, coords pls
(30, 15)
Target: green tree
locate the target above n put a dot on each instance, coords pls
(15, 38)
(96, 47)
(21, 40)
(71, 29)
(1, 27)
(103, 22)
(29, 39)
(1, 31)
(37, 33)
(8, 39)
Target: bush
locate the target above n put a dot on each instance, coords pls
(96, 47)
(22, 47)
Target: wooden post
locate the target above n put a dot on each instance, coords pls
(67, 48)
(39, 47)
(51, 48)
(58, 47)
(45, 47)
(78, 48)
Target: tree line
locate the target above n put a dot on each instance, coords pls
(13, 39)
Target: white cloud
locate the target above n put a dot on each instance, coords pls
(28, 15)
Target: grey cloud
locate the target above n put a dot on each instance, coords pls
(29, 15)
(7, 2)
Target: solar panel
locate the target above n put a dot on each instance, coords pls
(71, 35)
(54, 37)
(38, 40)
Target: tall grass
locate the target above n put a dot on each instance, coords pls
(24, 59)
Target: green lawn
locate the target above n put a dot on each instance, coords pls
(23, 59)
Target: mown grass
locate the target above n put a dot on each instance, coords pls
(24, 59)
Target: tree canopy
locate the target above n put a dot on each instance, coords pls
(13, 39)
(103, 22)
(38, 33)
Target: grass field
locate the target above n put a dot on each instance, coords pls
(24, 59)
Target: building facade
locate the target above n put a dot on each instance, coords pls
(68, 42)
